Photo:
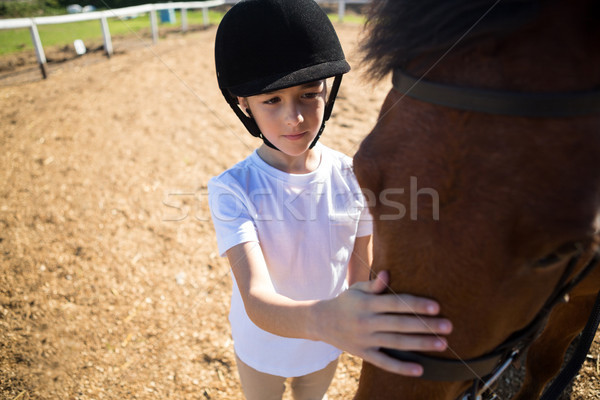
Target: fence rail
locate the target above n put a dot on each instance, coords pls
(102, 16)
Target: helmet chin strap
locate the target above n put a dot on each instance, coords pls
(328, 107)
(266, 141)
(253, 128)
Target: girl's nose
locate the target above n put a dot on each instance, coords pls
(294, 115)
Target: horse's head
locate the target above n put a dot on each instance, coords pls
(480, 211)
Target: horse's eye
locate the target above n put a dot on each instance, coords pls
(547, 261)
(564, 252)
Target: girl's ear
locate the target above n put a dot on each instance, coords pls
(243, 102)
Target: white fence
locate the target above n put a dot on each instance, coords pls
(103, 16)
(341, 5)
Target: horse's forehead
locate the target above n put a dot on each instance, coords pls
(528, 166)
(476, 150)
(529, 181)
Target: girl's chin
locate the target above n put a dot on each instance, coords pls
(293, 152)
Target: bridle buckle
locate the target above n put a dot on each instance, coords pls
(479, 388)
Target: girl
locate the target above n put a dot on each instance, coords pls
(291, 218)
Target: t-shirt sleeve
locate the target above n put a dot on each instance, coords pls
(231, 217)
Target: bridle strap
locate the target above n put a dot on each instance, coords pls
(449, 370)
(442, 369)
(520, 104)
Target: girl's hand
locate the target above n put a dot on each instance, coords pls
(361, 321)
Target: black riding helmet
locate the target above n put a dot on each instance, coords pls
(267, 45)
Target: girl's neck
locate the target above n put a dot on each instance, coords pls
(304, 163)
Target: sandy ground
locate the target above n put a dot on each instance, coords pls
(110, 284)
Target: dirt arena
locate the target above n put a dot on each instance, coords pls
(110, 283)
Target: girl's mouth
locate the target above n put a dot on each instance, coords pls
(295, 136)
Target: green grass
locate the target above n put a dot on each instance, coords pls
(349, 18)
(17, 40)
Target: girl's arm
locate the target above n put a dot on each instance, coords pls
(269, 310)
(359, 267)
(358, 321)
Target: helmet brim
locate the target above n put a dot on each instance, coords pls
(284, 80)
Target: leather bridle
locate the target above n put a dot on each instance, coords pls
(486, 369)
(521, 104)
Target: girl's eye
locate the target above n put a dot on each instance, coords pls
(272, 100)
(311, 95)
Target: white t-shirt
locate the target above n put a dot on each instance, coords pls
(306, 225)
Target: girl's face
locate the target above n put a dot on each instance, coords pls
(289, 118)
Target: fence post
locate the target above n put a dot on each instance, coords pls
(106, 35)
(205, 16)
(39, 50)
(341, 10)
(184, 24)
(154, 25)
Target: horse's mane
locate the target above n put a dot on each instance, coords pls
(399, 30)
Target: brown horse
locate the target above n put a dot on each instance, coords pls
(481, 206)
